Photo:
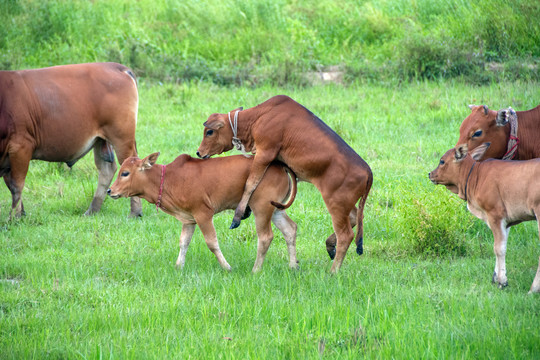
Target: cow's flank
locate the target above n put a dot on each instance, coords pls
(59, 114)
(282, 129)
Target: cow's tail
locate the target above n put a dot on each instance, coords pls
(360, 217)
(293, 186)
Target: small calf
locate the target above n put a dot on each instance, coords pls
(193, 190)
(502, 193)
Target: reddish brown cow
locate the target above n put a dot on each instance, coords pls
(60, 113)
(282, 129)
(513, 135)
(193, 190)
(502, 193)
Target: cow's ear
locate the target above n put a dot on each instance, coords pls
(486, 110)
(214, 124)
(149, 161)
(503, 116)
(460, 152)
(479, 151)
(238, 109)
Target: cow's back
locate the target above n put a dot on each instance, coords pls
(303, 137)
(219, 182)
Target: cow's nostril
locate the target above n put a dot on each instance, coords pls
(198, 154)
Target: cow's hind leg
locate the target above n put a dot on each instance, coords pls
(264, 235)
(288, 228)
(331, 241)
(104, 160)
(210, 237)
(344, 234)
(19, 162)
(17, 208)
(535, 287)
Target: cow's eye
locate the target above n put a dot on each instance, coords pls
(477, 133)
(124, 173)
(209, 132)
(441, 162)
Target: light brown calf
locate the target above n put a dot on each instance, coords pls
(59, 114)
(502, 193)
(193, 190)
(282, 129)
(514, 135)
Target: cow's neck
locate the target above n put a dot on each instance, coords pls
(150, 190)
(529, 123)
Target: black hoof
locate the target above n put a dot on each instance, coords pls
(234, 224)
(332, 253)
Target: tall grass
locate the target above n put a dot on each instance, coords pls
(245, 42)
(105, 286)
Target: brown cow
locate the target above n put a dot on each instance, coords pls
(193, 190)
(502, 193)
(513, 135)
(282, 129)
(60, 113)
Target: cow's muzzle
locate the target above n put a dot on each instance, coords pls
(114, 196)
(202, 157)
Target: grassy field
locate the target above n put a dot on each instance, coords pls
(260, 41)
(105, 286)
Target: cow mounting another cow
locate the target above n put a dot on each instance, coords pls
(282, 129)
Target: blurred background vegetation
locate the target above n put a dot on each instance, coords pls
(279, 41)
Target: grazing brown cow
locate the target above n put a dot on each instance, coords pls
(194, 190)
(502, 193)
(60, 113)
(513, 135)
(282, 129)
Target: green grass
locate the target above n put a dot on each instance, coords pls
(105, 286)
(259, 41)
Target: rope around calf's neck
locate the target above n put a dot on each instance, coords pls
(237, 143)
(513, 141)
(158, 203)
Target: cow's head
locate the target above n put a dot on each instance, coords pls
(218, 135)
(482, 126)
(448, 172)
(129, 182)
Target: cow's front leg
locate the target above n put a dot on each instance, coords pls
(185, 238)
(258, 168)
(500, 236)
